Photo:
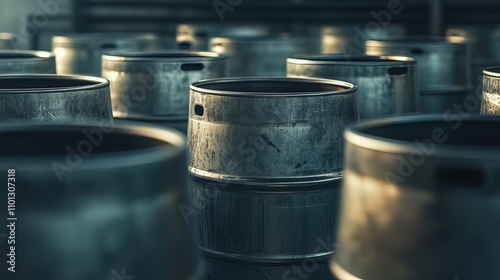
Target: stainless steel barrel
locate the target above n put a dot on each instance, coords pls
(420, 199)
(8, 41)
(258, 55)
(351, 38)
(81, 53)
(196, 36)
(266, 161)
(94, 202)
(441, 63)
(286, 115)
(155, 85)
(491, 92)
(27, 62)
(44, 98)
(387, 85)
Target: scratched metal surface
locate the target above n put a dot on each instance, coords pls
(262, 137)
(491, 94)
(265, 223)
(157, 86)
(38, 103)
(27, 62)
(380, 93)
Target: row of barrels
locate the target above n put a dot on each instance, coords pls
(266, 167)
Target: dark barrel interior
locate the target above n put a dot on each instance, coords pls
(13, 55)
(52, 142)
(270, 86)
(44, 82)
(484, 133)
(345, 58)
(154, 55)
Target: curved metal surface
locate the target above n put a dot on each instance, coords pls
(95, 201)
(47, 99)
(450, 100)
(177, 123)
(8, 41)
(27, 62)
(491, 91)
(272, 129)
(420, 197)
(484, 40)
(387, 85)
(440, 62)
(258, 55)
(81, 53)
(149, 84)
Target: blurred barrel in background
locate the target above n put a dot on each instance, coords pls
(443, 67)
(491, 92)
(386, 85)
(154, 86)
(27, 62)
(266, 160)
(81, 53)
(258, 55)
(420, 200)
(45, 98)
(8, 41)
(94, 202)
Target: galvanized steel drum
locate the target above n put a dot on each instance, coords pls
(491, 92)
(420, 200)
(44, 98)
(81, 53)
(27, 62)
(155, 85)
(258, 55)
(351, 38)
(99, 202)
(196, 36)
(8, 41)
(450, 100)
(441, 63)
(285, 114)
(387, 85)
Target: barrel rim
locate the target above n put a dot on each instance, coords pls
(93, 38)
(492, 71)
(348, 87)
(98, 83)
(156, 56)
(261, 38)
(354, 135)
(345, 59)
(35, 56)
(412, 41)
(174, 144)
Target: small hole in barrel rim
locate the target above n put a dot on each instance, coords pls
(398, 71)
(184, 45)
(199, 110)
(460, 177)
(192, 67)
(417, 51)
(108, 46)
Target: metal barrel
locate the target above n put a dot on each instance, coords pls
(491, 92)
(196, 36)
(387, 85)
(270, 119)
(258, 55)
(155, 85)
(351, 38)
(93, 202)
(46, 98)
(8, 41)
(442, 64)
(420, 199)
(266, 161)
(27, 62)
(179, 123)
(81, 53)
